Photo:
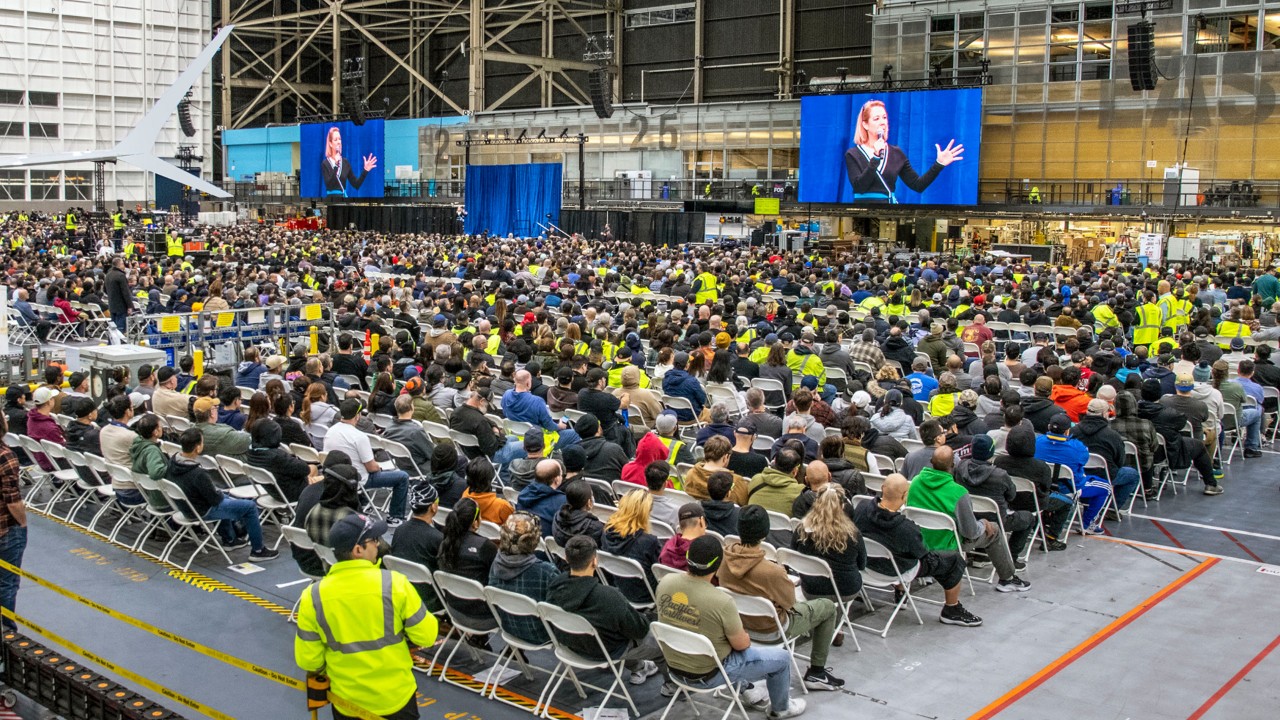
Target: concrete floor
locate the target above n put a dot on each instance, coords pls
(1147, 624)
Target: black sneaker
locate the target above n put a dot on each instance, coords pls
(1019, 564)
(1013, 584)
(1056, 545)
(265, 553)
(822, 679)
(236, 544)
(957, 615)
(1252, 453)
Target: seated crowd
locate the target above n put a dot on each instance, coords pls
(520, 441)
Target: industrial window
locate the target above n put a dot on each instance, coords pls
(10, 129)
(42, 99)
(11, 97)
(1233, 33)
(13, 184)
(661, 16)
(45, 130)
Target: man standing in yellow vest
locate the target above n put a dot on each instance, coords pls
(117, 226)
(71, 224)
(1146, 329)
(174, 244)
(706, 288)
(1104, 317)
(352, 625)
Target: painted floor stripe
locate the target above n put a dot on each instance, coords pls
(1027, 686)
(1202, 526)
(1226, 688)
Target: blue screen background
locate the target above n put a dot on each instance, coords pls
(917, 121)
(357, 142)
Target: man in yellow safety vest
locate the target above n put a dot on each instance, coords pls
(1146, 329)
(352, 625)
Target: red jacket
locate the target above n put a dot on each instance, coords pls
(1072, 400)
(44, 427)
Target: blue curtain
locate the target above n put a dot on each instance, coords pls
(515, 199)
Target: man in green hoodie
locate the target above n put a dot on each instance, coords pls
(935, 489)
(777, 488)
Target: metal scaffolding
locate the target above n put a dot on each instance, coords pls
(426, 57)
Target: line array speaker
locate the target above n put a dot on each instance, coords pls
(1142, 61)
(600, 81)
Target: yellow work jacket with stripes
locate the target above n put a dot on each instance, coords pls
(1178, 313)
(174, 246)
(961, 308)
(615, 376)
(71, 221)
(1147, 328)
(1161, 345)
(673, 448)
(710, 291)
(808, 364)
(352, 626)
(1232, 329)
(871, 302)
(1104, 317)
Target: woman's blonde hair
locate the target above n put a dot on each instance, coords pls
(860, 136)
(826, 525)
(632, 515)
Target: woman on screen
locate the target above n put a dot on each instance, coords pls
(336, 171)
(875, 166)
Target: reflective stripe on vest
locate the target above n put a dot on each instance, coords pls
(389, 635)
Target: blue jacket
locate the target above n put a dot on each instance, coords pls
(527, 407)
(1057, 450)
(543, 501)
(234, 418)
(678, 383)
(248, 373)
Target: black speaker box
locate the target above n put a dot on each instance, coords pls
(1142, 61)
(600, 82)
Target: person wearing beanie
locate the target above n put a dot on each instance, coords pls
(603, 459)
(418, 539)
(746, 570)
(1097, 435)
(698, 606)
(891, 419)
(1019, 461)
(977, 475)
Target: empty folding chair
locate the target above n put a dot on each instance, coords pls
(298, 538)
(465, 603)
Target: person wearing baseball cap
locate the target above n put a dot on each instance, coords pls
(979, 476)
(1203, 426)
(166, 400)
(356, 619)
(1057, 447)
(40, 422)
(691, 602)
(692, 525)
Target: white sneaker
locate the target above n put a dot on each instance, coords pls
(756, 698)
(795, 706)
(648, 669)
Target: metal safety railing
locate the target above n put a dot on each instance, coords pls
(224, 334)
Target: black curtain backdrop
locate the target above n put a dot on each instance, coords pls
(395, 218)
(654, 228)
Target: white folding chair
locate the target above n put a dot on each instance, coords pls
(506, 605)
(190, 525)
(931, 520)
(681, 643)
(612, 567)
(298, 538)
(1023, 485)
(754, 606)
(873, 579)
(559, 622)
(453, 588)
(988, 506)
(815, 567)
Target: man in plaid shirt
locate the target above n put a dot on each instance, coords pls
(865, 350)
(13, 526)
